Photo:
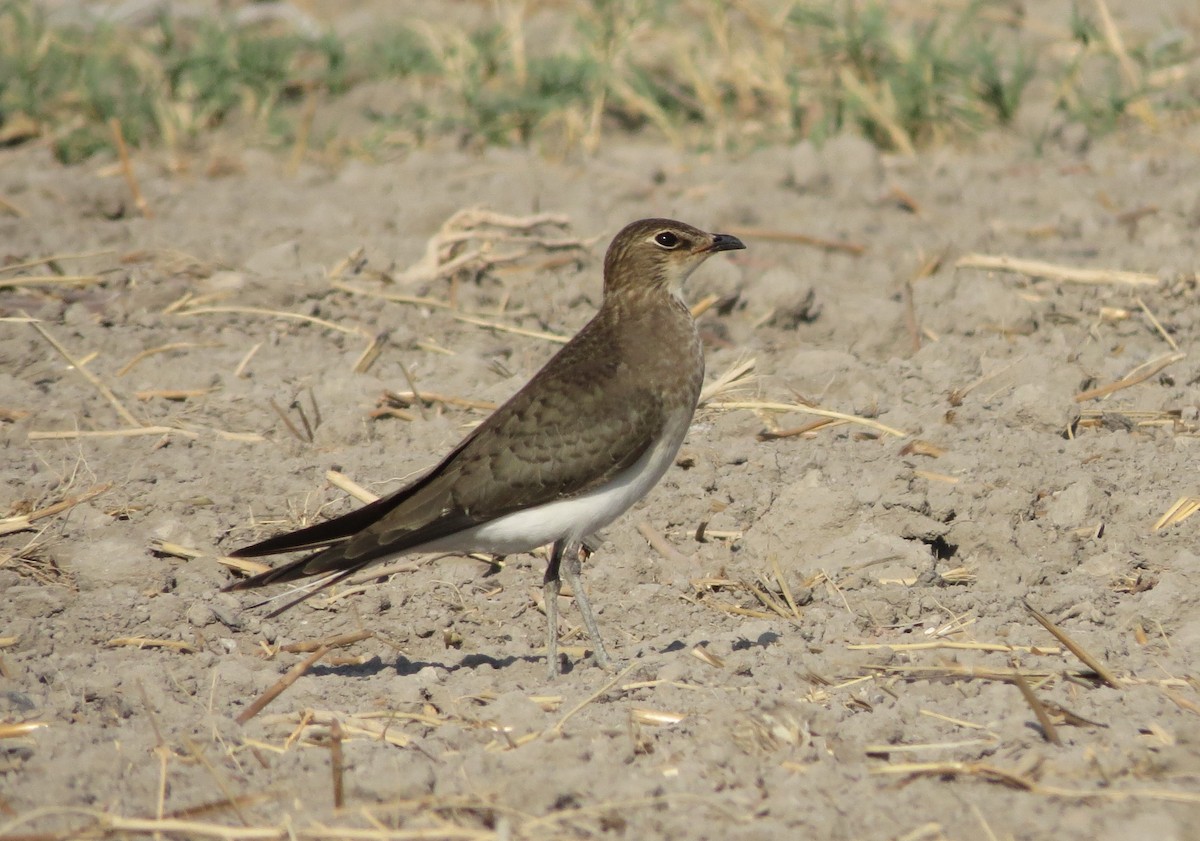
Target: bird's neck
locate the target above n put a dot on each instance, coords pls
(651, 302)
(662, 323)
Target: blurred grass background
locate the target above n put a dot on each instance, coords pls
(563, 76)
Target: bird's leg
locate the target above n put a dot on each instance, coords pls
(551, 583)
(571, 572)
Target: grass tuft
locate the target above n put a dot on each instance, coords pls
(700, 74)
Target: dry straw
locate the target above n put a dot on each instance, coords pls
(765, 406)
(23, 522)
(1054, 271)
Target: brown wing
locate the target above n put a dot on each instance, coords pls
(530, 451)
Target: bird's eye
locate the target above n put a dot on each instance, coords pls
(667, 240)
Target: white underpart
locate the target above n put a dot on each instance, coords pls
(573, 518)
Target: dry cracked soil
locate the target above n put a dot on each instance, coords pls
(823, 623)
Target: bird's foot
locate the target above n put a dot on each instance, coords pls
(601, 658)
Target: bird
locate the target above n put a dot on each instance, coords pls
(586, 437)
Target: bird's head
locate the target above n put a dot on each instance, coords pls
(659, 254)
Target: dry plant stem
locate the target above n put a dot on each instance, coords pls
(294, 673)
(161, 749)
(784, 587)
(910, 317)
(663, 546)
(1075, 648)
(505, 328)
(1181, 702)
(223, 784)
(60, 434)
(878, 112)
(371, 353)
(444, 399)
(1157, 324)
(354, 262)
(738, 610)
(240, 370)
(960, 672)
(172, 393)
(994, 774)
(316, 421)
(104, 390)
(380, 572)
(64, 434)
(888, 748)
(954, 769)
(949, 645)
(22, 522)
(336, 764)
(812, 410)
(957, 395)
(50, 280)
(243, 565)
(1138, 375)
(655, 718)
(1133, 81)
(1179, 511)
(557, 728)
(147, 642)
(21, 728)
(311, 722)
(769, 601)
(13, 208)
(328, 642)
(344, 483)
(1053, 271)
(165, 547)
(106, 825)
(727, 380)
(291, 427)
(704, 305)
(434, 303)
(213, 806)
(135, 190)
(53, 258)
(165, 348)
(772, 235)
(811, 426)
(353, 331)
(1049, 732)
(412, 384)
(443, 257)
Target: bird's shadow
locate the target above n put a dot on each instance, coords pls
(765, 639)
(404, 667)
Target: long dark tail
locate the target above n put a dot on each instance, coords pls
(320, 534)
(306, 567)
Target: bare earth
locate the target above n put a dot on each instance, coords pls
(887, 704)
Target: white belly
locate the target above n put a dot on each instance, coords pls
(572, 519)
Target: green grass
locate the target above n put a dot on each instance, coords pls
(698, 73)
(937, 80)
(166, 82)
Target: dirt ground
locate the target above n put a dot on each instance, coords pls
(835, 642)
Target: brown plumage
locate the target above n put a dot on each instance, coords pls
(567, 454)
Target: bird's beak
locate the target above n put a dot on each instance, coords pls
(724, 242)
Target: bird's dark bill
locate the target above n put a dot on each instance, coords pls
(726, 242)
